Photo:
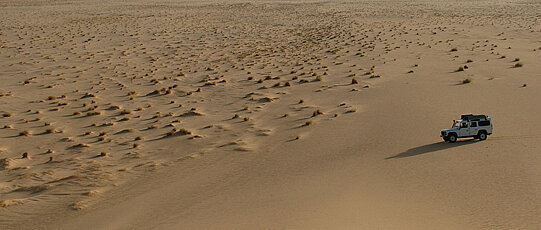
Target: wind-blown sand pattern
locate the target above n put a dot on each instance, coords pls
(268, 114)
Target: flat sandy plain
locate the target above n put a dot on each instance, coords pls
(268, 114)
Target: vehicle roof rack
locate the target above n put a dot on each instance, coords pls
(472, 117)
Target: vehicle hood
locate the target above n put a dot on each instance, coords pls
(449, 130)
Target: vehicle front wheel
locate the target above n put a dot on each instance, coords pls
(452, 138)
(482, 136)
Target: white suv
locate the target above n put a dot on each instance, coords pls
(469, 125)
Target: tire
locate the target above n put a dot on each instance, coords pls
(452, 138)
(482, 136)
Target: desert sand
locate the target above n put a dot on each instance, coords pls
(268, 114)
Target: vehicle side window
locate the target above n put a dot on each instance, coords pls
(464, 125)
(473, 124)
(484, 123)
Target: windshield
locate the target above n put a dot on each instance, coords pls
(456, 124)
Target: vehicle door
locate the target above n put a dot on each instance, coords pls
(464, 129)
(474, 129)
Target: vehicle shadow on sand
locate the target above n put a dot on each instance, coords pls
(434, 147)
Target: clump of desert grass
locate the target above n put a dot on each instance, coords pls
(108, 124)
(317, 112)
(308, 123)
(52, 131)
(466, 81)
(460, 69)
(125, 112)
(180, 132)
(25, 133)
(93, 113)
(114, 107)
(6, 115)
(157, 92)
(191, 113)
(88, 95)
(518, 65)
(354, 81)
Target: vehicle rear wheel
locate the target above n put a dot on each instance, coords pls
(452, 138)
(482, 136)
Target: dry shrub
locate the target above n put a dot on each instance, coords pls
(93, 113)
(25, 133)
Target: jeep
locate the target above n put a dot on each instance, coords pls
(469, 125)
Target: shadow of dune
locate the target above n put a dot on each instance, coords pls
(434, 147)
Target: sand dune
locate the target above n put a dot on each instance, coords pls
(268, 114)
